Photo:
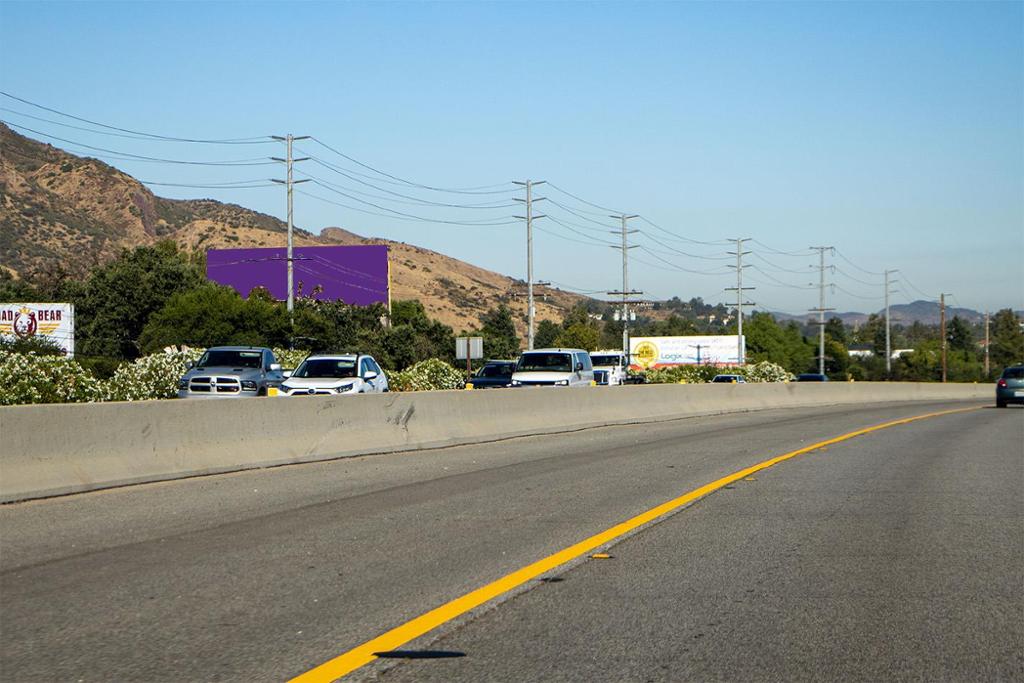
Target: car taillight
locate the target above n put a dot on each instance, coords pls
(1002, 383)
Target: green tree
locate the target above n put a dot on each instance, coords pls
(835, 329)
(546, 334)
(959, 335)
(212, 315)
(499, 332)
(1007, 340)
(579, 336)
(116, 302)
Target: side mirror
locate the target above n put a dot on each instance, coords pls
(275, 367)
(190, 364)
(370, 375)
(579, 367)
(287, 373)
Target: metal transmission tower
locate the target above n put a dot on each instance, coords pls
(626, 292)
(288, 139)
(739, 289)
(888, 342)
(528, 184)
(821, 310)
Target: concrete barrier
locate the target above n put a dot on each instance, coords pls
(52, 450)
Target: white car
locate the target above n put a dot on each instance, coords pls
(332, 374)
(609, 367)
(554, 368)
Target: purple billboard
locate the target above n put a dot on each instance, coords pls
(354, 274)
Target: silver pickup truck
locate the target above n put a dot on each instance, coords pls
(232, 372)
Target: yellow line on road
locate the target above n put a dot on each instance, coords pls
(357, 657)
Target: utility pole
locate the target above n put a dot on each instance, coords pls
(986, 345)
(888, 342)
(626, 291)
(528, 184)
(942, 327)
(821, 307)
(288, 139)
(739, 288)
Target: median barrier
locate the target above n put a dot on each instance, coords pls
(48, 450)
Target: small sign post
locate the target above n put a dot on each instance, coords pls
(470, 349)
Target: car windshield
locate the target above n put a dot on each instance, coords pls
(496, 370)
(724, 378)
(545, 362)
(606, 360)
(332, 368)
(226, 358)
(1013, 373)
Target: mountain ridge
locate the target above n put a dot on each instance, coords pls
(79, 212)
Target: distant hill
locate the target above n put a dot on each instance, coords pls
(59, 208)
(925, 312)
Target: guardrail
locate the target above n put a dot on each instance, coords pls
(49, 450)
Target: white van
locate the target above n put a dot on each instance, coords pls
(609, 367)
(554, 368)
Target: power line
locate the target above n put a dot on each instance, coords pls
(414, 201)
(863, 270)
(580, 199)
(457, 190)
(255, 161)
(255, 140)
(781, 252)
(580, 215)
(680, 237)
(684, 253)
(403, 214)
(401, 218)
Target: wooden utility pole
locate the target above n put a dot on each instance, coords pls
(942, 331)
(986, 345)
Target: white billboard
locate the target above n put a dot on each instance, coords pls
(55, 322)
(660, 352)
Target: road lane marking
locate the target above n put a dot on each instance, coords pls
(361, 655)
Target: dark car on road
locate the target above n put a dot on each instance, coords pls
(812, 377)
(494, 374)
(1010, 387)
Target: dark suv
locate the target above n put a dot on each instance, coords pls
(1010, 387)
(494, 373)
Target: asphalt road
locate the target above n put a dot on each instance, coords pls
(897, 554)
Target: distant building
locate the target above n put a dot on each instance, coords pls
(861, 351)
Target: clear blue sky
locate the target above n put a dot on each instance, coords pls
(893, 131)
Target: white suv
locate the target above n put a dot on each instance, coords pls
(345, 373)
(609, 367)
(554, 368)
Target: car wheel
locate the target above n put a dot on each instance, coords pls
(262, 391)
(1000, 404)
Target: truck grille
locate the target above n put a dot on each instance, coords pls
(601, 376)
(215, 385)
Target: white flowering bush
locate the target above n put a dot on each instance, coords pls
(428, 375)
(290, 358)
(765, 371)
(31, 378)
(150, 377)
(687, 374)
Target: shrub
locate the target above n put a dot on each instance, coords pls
(32, 378)
(428, 375)
(765, 371)
(150, 377)
(688, 374)
(290, 358)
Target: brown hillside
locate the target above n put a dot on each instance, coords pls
(58, 208)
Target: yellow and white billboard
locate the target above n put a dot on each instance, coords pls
(661, 352)
(55, 322)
